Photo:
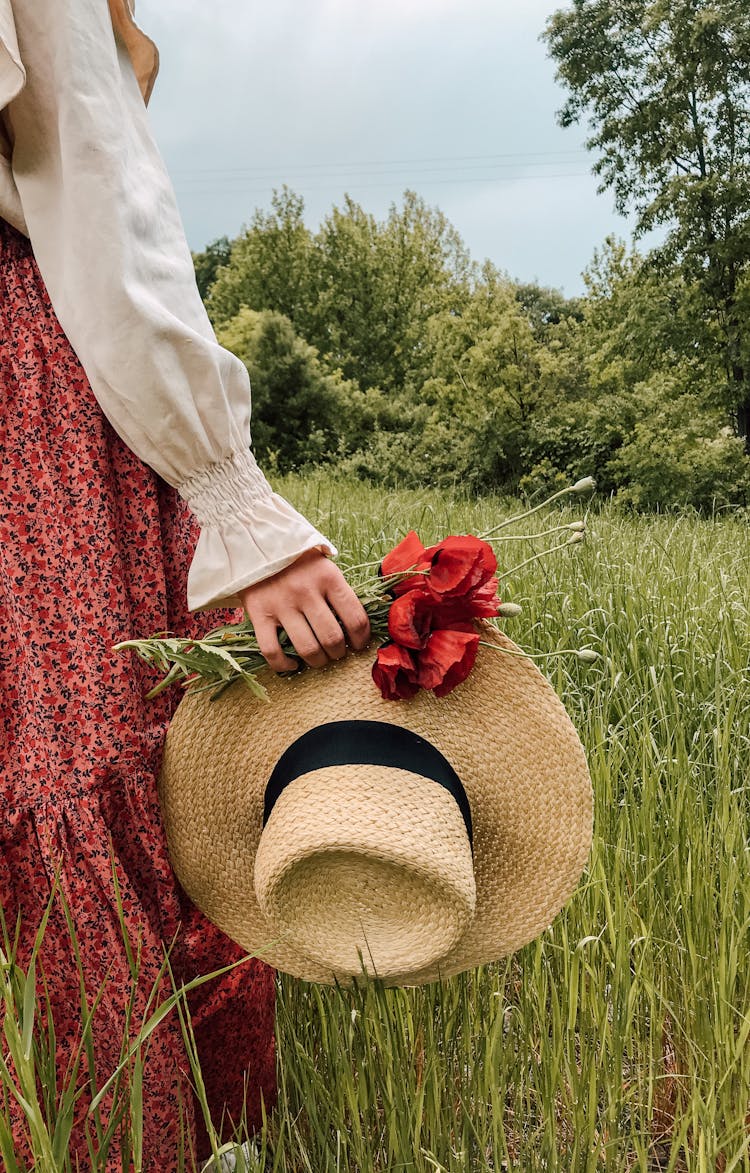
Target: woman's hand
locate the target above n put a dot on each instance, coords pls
(316, 607)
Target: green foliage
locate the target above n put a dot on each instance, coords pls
(268, 264)
(379, 348)
(302, 413)
(640, 412)
(546, 308)
(359, 291)
(208, 263)
(379, 285)
(425, 450)
(678, 451)
(486, 380)
(270, 267)
(665, 89)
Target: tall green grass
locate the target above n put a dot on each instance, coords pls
(620, 1039)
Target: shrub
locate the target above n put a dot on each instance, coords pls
(302, 414)
(683, 462)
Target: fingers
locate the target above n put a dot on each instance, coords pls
(312, 601)
(350, 611)
(316, 637)
(304, 640)
(267, 635)
(326, 630)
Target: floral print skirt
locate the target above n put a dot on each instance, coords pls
(94, 549)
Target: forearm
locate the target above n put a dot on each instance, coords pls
(107, 236)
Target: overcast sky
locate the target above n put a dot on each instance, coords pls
(453, 98)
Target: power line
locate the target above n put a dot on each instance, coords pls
(356, 186)
(359, 165)
(357, 173)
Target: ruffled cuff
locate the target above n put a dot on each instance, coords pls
(248, 532)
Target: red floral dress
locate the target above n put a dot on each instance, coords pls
(94, 548)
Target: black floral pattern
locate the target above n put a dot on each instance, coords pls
(94, 548)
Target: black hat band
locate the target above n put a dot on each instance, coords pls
(371, 743)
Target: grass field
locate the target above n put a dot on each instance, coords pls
(620, 1040)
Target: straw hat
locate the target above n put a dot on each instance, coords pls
(333, 831)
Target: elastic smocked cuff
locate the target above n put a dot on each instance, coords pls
(248, 533)
(221, 491)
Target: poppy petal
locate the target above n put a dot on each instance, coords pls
(447, 659)
(460, 564)
(404, 556)
(409, 619)
(394, 673)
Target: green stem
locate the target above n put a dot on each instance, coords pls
(536, 557)
(532, 537)
(528, 513)
(483, 643)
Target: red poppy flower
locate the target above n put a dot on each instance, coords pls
(447, 658)
(430, 619)
(407, 555)
(482, 603)
(415, 614)
(411, 618)
(394, 672)
(452, 568)
(460, 565)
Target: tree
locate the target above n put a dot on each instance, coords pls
(208, 263)
(360, 291)
(665, 85)
(486, 380)
(302, 414)
(379, 285)
(638, 408)
(637, 320)
(271, 266)
(547, 308)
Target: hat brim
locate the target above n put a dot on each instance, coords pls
(504, 731)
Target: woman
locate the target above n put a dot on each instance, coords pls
(112, 484)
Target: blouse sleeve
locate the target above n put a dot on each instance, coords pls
(106, 233)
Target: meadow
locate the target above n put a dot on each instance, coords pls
(620, 1039)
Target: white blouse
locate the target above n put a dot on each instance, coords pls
(82, 176)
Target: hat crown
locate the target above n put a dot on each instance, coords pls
(366, 868)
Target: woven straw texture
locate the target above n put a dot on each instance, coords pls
(367, 860)
(365, 867)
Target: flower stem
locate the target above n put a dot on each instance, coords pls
(578, 487)
(535, 558)
(587, 655)
(533, 537)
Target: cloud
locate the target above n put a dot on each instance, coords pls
(365, 96)
(390, 15)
